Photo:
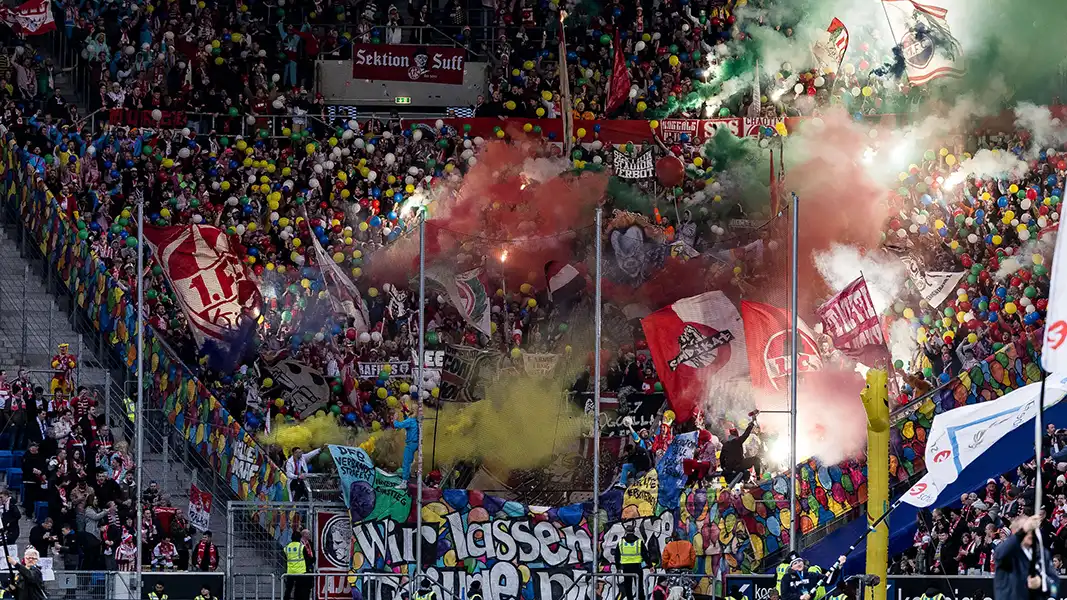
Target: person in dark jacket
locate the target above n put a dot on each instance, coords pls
(802, 582)
(30, 581)
(732, 455)
(1018, 576)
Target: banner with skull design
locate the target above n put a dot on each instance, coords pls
(208, 278)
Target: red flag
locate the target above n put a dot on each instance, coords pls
(768, 336)
(208, 277)
(774, 189)
(851, 320)
(30, 18)
(619, 88)
(692, 341)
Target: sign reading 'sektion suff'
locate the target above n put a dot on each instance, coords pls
(424, 64)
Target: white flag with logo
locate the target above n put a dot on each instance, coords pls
(934, 286)
(958, 437)
(929, 48)
(1054, 351)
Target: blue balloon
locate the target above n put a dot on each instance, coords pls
(943, 232)
(1002, 292)
(253, 251)
(367, 408)
(943, 378)
(924, 229)
(398, 197)
(993, 317)
(684, 137)
(392, 215)
(1002, 202)
(376, 192)
(596, 128)
(350, 417)
(926, 199)
(376, 221)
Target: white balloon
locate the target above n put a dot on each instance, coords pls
(240, 229)
(438, 123)
(313, 183)
(413, 170)
(278, 104)
(799, 88)
(198, 219)
(597, 160)
(633, 93)
(370, 148)
(390, 158)
(387, 135)
(972, 238)
(214, 184)
(376, 336)
(372, 176)
(467, 143)
(276, 78)
(157, 115)
(185, 130)
(1024, 234)
(91, 150)
(478, 141)
(318, 169)
(183, 153)
(639, 46)
(250, 119)
(472, 161)
(416, 135)
(353, 124)
(820, 81)
(1025, 204)
(359, 143)
(274, 216)
(347, 135)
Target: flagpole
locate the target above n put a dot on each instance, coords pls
(1038, 427)
(138, 422)
(419, 415)
(793, 542)
(597, 316)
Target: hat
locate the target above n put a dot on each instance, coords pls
(982, 505)
(988, 481)
(796, 560)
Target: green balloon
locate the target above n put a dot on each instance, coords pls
(898, 364)
(224, 141)
(605, 39)
(928, 372)
(431, 337)
(335, 409)
(152, 294)
(949, 311)
(115, 228)
(83, 234)
(233, 111)
(1030, 291)
(658, 387)
(563, 327)
(131, 242)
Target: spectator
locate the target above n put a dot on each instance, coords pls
(205, 554)
(1015, 576)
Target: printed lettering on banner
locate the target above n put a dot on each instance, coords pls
(754, 126)
(539, 364)
(143, 118)
(421, 64)
(502, 550)
(398, 368)
(849, 317)
(638, 167)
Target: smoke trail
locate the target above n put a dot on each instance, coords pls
(1045, 130)
(902, 342)
(841, 265)
(988, 163)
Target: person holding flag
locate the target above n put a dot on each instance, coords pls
(1023, 566)
(802, 582)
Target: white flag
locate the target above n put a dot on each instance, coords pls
(958, 437)
(1054, 351)
(344, 295)
(930, 51)
(934, 286)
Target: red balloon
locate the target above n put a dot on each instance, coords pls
(1042, 304)
(670, 171)
(1031, 194)
(1024, 275)
(1015, 281)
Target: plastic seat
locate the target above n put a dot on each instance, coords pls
(40, 511)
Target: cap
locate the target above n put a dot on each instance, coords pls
(988, 481)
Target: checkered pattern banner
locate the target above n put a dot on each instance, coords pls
(460, 112)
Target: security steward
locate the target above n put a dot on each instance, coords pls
(802, 582)
(158, 593)
(205, 594)
(425, 592)
(782, 569)
(475, 590)
(295, 568)
(10, 588)
(932, 594)
(631, 555)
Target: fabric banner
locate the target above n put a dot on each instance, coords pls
(304, 388)
(462, 377)
(830, 51)
(207, 276)
(199, 508)
(421, 64)
(344, 295)
(638, 167)
(930, 51)
(539, 364)
(850, 319)
(467, 293)
(398, 368)
(958, 437)
(669, 471)
(368, 492)
(168, 119)
(934, 286)
(768, 335)
(692, 341)
(333, 554)
(619, 84)
(1053, 351)
(641, 408)
(30, 18)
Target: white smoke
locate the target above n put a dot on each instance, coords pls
(902, 343)
(841, 265)
(1046, 131)
(540, 170)
(988, 163)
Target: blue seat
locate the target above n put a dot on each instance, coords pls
(14, 480)
(7, 460)
(40, 511)
(16, 457)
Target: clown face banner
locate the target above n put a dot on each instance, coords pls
(207, 276)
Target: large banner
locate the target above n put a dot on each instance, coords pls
(463, 371)
(850, 319)
(207, 276)
(768, 330)
(468, 295)
(304, 389)
(199, 508)
(692, 341)
(30, 18)
(333, 554)
(368, 492)
(930, 51)
(422, 64)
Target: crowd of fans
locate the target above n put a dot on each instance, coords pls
(961, 539)
(77, 486)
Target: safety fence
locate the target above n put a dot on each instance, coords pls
(172, 387)
(121, 585)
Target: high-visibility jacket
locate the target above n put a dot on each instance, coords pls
(934, 597)
(294, 559)
(630, 552)
(155, 596)
(427, 595)
(474, 596)
(779, 573)
(815, 572)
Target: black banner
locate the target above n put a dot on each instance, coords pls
(899, 587)
(638, 167)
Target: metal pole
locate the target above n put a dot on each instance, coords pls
(107, 397)
(596, 404)
(418, 417)
(140, 416)
(81, 349)
(230, 540)
(793, 542)
(1038, 434)
(25, 278)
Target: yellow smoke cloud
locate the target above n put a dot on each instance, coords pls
(314, 432)
(519, 425)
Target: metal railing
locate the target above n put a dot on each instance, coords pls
(258, 530)
(112, 585)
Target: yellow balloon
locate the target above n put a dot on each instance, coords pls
(531, 303)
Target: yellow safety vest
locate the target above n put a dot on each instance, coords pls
(131, 409)
(294, 559)
(780, 572)
(937, 597)
(630, 553)
(427, 596)
(155, 596)
(815, 572)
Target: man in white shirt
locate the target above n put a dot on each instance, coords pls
(296, 470)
